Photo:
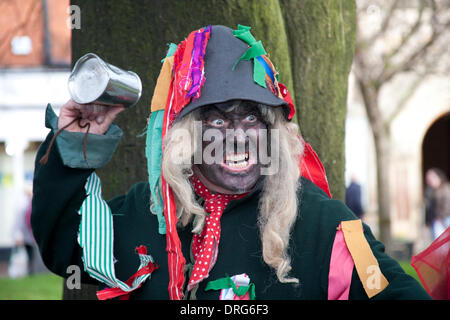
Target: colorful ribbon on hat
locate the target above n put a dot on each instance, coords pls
(185, 84)
(188, 71)
(255, 50)
(264, 73)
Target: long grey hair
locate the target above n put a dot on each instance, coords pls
(278, 205)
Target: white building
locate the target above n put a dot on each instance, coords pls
(24, 94)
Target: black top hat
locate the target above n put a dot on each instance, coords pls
(223, 83)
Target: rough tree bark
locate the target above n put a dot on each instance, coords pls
(134, 35)
(321, 37)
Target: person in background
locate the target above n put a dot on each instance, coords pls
(353, 198)
(21, 232)
(437, 201)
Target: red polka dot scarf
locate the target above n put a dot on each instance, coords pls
(205, 246)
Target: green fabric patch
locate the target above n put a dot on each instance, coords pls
(256, 49)
(153, 152)
(227, 282)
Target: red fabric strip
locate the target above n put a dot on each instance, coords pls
(287, 97)
(111, 293)
(176, 260)
(312, 169)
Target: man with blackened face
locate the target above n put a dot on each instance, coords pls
(236, 206)
(238, 127)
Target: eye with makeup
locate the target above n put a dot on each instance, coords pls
(217, 122)
(251, 118)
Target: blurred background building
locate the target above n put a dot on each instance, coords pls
(414, 105)
(35, 56)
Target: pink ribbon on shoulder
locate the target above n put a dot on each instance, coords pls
(341, 269)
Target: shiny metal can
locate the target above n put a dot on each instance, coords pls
(93, 81)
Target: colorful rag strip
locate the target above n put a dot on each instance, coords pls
(176, 260)
(188, 70)
(153, 152)
(110, 293)
(153, 144)
(350, 236)
(182, 82)
(96, 239)
(312, 168)
(197, 67)
(162, 85)
(237, 287)
(286, 96)
(341, 269)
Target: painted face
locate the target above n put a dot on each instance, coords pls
(238, 169)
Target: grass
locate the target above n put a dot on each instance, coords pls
(46, 286)
(407, 267)
(49, 286)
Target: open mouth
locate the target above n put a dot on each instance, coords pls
(237, 162)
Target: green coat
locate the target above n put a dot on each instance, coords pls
(59, 192)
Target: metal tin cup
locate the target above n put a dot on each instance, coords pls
(93, 81)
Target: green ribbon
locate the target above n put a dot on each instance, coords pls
(227, 282)
(153, 152)
(171, 51)
(256, 49)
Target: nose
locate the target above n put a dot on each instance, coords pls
(237, 137)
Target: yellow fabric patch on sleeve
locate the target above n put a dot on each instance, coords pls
(366, 264)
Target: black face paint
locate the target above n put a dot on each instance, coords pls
(238, 168)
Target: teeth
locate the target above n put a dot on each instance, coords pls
(237, 157)
(241, 164)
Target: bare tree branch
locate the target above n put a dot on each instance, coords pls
(406, 96)
(386, 22)
(408, 36)
(409, 62)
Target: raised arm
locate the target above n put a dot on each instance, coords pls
(58, 186)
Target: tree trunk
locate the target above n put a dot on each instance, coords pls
(381, 138)
(321, 38)
(383, 156)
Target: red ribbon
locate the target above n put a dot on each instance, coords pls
(110, 293)
(312, 168)
(287, 97)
